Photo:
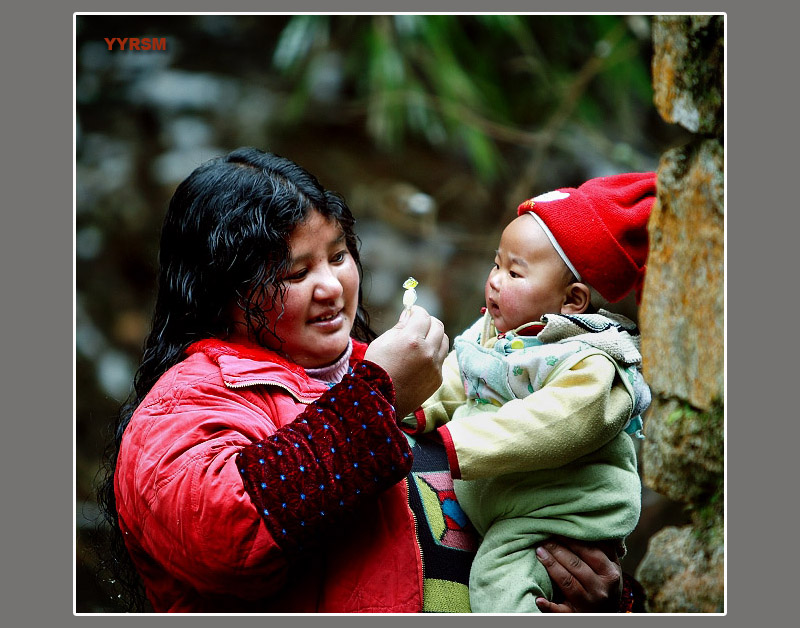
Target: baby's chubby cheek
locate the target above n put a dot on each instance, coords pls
(509, 307)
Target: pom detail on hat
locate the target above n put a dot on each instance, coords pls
(601, 226)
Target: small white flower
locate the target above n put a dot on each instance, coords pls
(410, 296)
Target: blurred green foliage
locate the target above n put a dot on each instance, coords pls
(467, 84)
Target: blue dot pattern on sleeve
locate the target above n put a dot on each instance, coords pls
(344, 449)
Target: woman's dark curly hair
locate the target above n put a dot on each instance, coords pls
(224, 244)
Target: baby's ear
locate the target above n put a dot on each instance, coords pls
(577, 298)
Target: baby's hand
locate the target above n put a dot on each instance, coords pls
(410, 296)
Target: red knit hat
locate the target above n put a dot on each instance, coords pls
(601, 229)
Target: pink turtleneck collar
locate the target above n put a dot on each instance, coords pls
(333, 373)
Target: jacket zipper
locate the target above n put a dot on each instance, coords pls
(409, 479)
(294, 394)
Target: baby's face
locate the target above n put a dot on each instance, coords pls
(528, 279)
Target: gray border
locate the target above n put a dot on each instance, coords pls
(40, 516)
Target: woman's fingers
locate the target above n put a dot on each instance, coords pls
(412, 353)
(546, 606)
(444, 346)
(415, 322)
(601, 575)
(600, 557)
(423, 331)
(589, 579)
(435, 332)
(562, 566)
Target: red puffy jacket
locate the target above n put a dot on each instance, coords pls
(242, 485)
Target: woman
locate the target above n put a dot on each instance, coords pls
(258, 466)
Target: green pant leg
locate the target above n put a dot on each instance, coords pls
(506, 576)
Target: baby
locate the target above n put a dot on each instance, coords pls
(541, 393)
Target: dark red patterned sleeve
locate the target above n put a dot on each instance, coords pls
(341, 451)
(633, 596)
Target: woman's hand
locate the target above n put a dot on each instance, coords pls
(588, 574)
(412, 353)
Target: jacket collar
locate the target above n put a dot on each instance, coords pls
(247, 364)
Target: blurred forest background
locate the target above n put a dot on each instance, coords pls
(433, 127)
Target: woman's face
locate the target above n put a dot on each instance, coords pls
(321, 299)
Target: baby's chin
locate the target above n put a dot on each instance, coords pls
(499, 325)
